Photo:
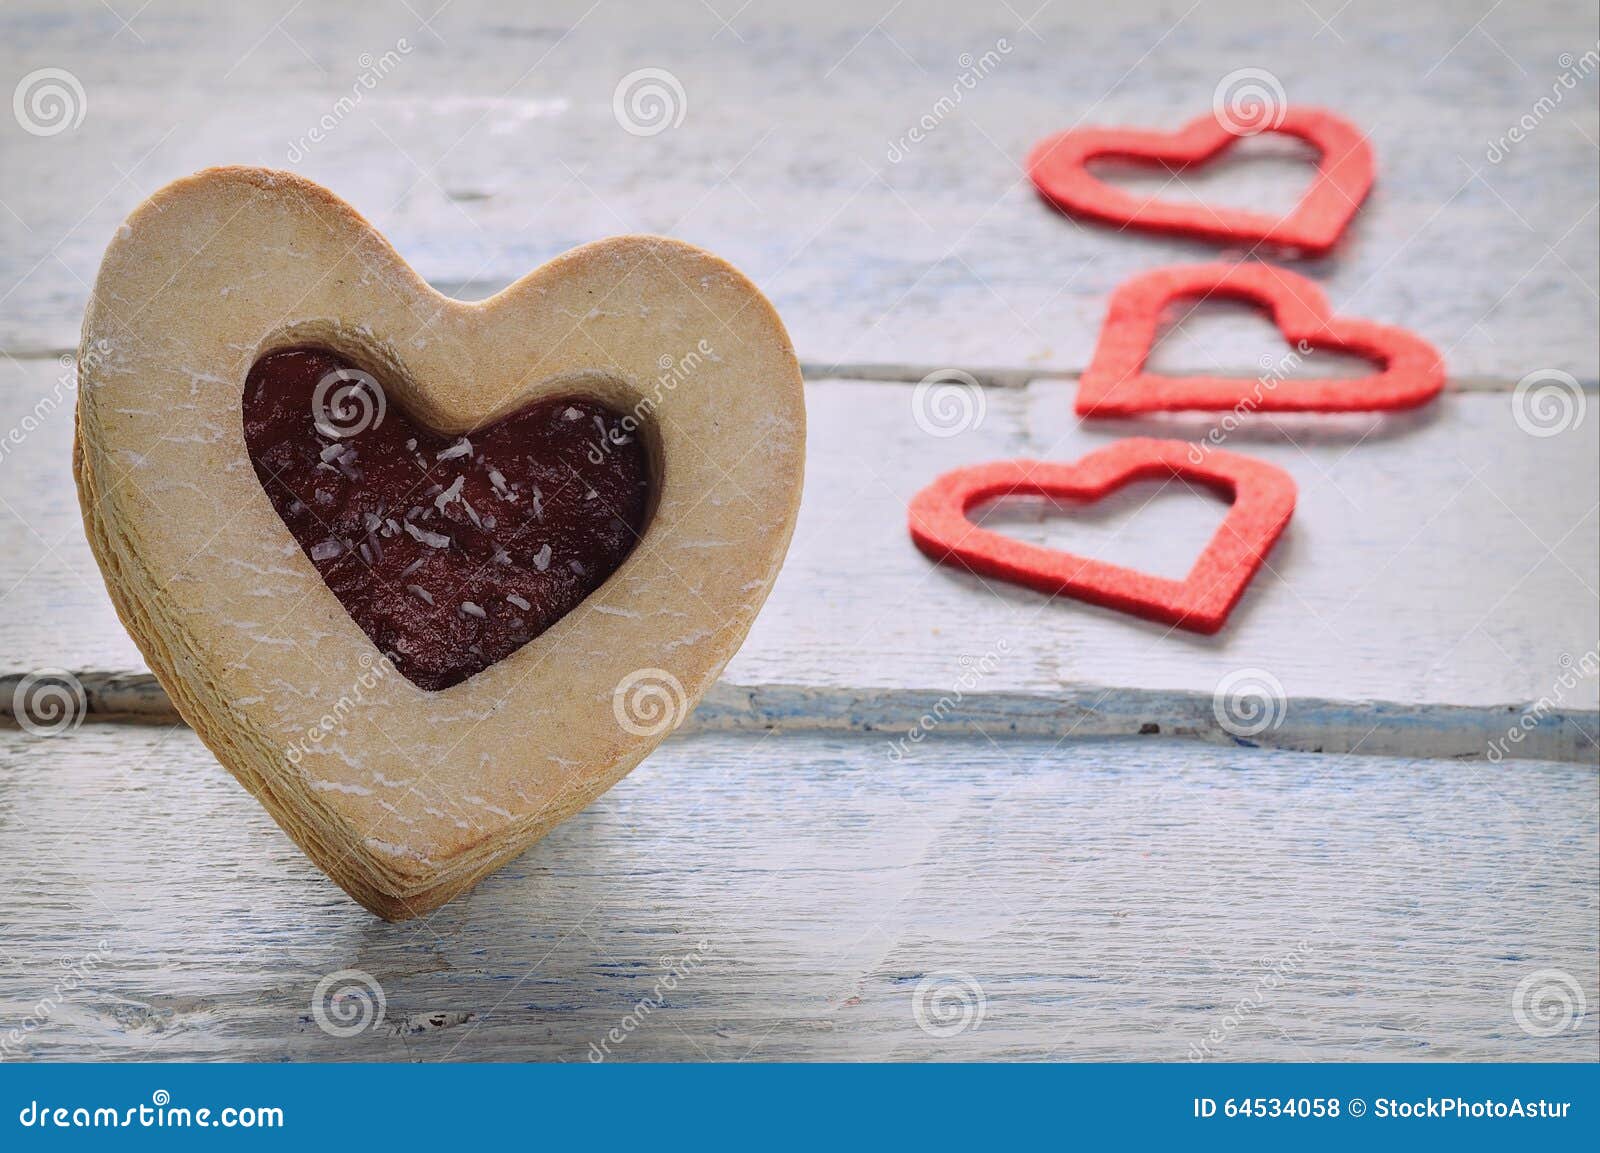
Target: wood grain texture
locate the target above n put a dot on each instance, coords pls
(1110, 899)
(492, 145)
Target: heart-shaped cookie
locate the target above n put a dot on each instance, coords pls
(498, 646)
(1263, 498)
(1116, 383)
(1059, 167)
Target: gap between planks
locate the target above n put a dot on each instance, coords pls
(991, 377)
(902, 718)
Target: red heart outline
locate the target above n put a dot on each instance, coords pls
(1115, 383)
(1263, 499)
(1059, 168)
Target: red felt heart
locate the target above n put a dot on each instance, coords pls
(1115, 383)
(1263, 499)
(1059, 168)
(449, 552)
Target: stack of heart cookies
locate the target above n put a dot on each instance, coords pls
(427, 576)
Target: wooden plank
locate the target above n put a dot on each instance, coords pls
(1438, 579)
(1382, 589)
(492, 145)
(1116, 901)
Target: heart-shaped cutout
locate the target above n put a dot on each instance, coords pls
(389, 512)
(1116, 383)
(1059, 168)
(1263, 499)
(407, 795)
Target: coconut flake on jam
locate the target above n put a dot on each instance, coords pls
(449, 552)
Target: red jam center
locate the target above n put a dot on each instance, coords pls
(450, 552)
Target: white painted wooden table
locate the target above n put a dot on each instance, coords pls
(1080, 862)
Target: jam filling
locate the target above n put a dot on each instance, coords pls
(450, 552)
